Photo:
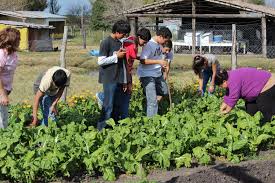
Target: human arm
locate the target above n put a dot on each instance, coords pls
(214, 72)
(54, 104)
(104, 60)
(37, 97)
(4, 99)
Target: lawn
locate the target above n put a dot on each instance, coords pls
(85, 70)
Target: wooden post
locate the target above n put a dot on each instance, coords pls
(83, 32)
(157, 24)
(234, 46)
(193, 28)
(136, 25)
(62, 57)
(264, 42)
(132, 23)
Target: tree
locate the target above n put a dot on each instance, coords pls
(97, 20)
(36, 5)
(74, 15)
(54, 7)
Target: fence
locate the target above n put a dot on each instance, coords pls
(217, 39)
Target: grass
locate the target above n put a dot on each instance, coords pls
(84, 68)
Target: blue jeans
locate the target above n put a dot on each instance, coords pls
(121, 104)
(153, 87)
(206, 76)
(45, 105)
(107, 108)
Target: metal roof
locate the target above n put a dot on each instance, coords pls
(23, 24)
(31, 14)
(161, 5)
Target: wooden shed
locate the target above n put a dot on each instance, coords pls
(37, 17)
(226, 12)
(34, 37)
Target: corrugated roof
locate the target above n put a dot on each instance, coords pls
(23, 24)
(231, 3)
(31, 14)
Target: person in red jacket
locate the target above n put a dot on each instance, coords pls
(130, 45)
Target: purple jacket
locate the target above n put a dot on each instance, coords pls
(245, 83)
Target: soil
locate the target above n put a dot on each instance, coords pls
(260, 170)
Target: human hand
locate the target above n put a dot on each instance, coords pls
(211, 89)
(53, 109)
(34, 122)
(4, 99)
(121, 53)
(124, 88)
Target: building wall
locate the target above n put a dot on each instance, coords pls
(24, 43)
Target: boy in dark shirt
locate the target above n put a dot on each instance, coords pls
(112, 71)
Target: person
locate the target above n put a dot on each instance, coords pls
(256, 87)
(150, 70)
(48, 89)
(9, 43)
(167, 55)
(112, 70)
(206, 67)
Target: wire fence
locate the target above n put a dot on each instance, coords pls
(217, 39)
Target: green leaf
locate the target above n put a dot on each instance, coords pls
(239, 144)
(184, 160)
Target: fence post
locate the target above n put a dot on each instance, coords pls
(264, 48)
(62, 57)
(193, 27)
(234, 46)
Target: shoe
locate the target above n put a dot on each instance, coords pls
(100, 99)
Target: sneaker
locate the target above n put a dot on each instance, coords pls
(100, 99)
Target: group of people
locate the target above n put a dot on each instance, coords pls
(48, 87)
(256, 87)
(116, 57)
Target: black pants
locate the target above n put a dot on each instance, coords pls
(264, 103)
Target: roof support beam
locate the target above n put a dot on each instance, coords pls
(193, 27)
(254, 15)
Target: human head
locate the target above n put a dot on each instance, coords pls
(167, 47)
(60, 78)
(221, 79)
(121, 29)
(9, 39)
(199, 63)
(143, 36)
(163, 35)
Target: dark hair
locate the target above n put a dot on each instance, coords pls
(60, 78)
(198, 64)
(168, 44)
(9, 39)
(144, 34)
(121, 26)
(164, 32)
(221, 77)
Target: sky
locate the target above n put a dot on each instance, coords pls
(67, 4)
(270, 3)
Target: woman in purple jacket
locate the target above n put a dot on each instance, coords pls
(256, 87)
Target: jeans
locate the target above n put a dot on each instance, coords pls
(153, 87)
(45, 104)
(121, 104)
(4, 115)
(107, 108)
(206, 76)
